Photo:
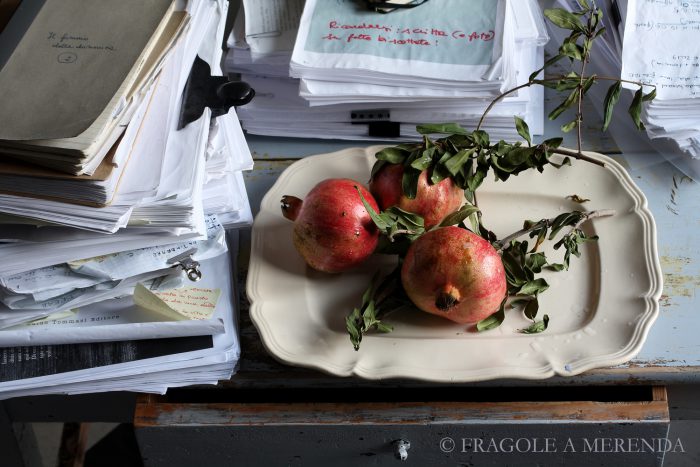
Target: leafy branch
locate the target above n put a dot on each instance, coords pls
(381, 298)
(522, 263)
(468, 156)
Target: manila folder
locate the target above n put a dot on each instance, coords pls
(70, 62)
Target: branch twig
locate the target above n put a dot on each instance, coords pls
(586, 217)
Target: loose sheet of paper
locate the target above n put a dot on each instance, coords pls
(661, 47)
(178, 304)
(271, 25)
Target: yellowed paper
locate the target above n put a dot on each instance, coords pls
(179, 304)
(71, 62)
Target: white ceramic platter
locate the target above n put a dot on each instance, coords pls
(600, 310)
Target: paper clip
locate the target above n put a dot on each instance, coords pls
(189, 265)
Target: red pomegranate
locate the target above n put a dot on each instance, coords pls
(333, 231)
(433, 202)
(454, 273)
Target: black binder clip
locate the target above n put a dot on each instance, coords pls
(381, 6)
(216, 92)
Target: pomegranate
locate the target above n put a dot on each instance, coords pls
(432, 202)
(454, 273)
(333, 231)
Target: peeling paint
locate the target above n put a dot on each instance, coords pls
(677, 281)
(681, 285)
(674, 264)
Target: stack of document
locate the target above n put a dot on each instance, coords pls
(350, 67)
(55, 117)
(101, 289)
(654, 43)
(132, 353)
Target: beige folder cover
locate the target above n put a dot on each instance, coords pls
(71, 62)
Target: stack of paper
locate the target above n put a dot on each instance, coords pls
(55, 117)
(653, 43)
(101, 268)
(132, 353)
(411, 66)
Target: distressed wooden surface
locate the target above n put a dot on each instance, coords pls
(366, 433)
(397, 413)
(373, 445)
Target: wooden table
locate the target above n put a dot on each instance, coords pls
(276, 412)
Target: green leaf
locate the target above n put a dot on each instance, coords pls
(537, 327)
(588, 83)
(568, 102)
(553, 143)
(563, 220)
(425, 160)
(519, 301)
(532, 308)
(571, 50)
(611, 99)
(599, 33)
(409, 182)
(474, 181)
(406, 218)
(548, 63)
(392, 155)
(454, 163)
(481, 138)
(381, 327)
(569, 126)
(564, 19)
(441, 128)
(650, 97)
(535, 262)
(378, 300)
(584, 4)
(494, 320)
(523, 129)
(534, 287)
(457, 217)
(555, 267)
(439, 173)
(379, 220)
(635, 109)
(353, 328)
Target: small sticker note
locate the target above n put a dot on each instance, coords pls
(179, 304)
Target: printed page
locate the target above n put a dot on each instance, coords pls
(661, 47)
(271, 25)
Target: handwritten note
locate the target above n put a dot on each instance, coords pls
(447, 33)
(661, 47)
(179, 304)
(73, 41)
